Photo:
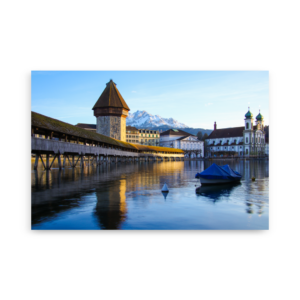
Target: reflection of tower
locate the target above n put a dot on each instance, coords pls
(111, 111)
(249, 207)
(111, 206)
(260, 207)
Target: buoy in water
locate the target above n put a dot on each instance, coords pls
(253, 178)
(165, 188)
(165, 194)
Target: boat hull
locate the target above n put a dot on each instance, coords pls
(205, 181)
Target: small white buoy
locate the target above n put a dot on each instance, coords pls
(165, 188)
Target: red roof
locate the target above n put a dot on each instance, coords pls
(228, 132)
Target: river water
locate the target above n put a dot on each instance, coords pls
(128, 196)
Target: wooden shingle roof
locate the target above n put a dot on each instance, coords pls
(111, 97)
(86, 126)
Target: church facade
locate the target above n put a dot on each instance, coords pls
(238, 141)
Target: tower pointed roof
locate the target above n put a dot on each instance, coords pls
(249, 115)
(259, 117)
(111, 97)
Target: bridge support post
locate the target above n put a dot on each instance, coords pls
(64, 163)
(73, 161)
(59, 160)
(36, 161)
(82, 160)
(47, 162)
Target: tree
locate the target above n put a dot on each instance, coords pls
(206, 149)
(205, 136)
(200, 135)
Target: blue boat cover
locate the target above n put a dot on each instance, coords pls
(232, 173)
(217, 172)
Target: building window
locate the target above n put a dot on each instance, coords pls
(247, 125)
(247, 140)
(246, 151)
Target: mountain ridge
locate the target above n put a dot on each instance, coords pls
(141, 119)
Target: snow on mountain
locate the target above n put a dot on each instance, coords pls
(142, 119)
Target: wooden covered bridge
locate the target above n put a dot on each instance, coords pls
(57, 139)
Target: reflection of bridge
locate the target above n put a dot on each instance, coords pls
(56, 138)
(193, 153)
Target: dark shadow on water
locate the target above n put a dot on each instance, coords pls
(216, 192)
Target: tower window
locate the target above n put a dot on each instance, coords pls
(247, 125)
(247, 140)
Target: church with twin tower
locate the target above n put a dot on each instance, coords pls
(111, 112)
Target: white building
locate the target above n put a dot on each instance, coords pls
(176, 138)
(267, 147)
(245, 140)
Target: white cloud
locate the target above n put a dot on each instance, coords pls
(133, 91)
(208, 104)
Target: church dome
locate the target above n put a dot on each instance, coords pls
(248, 115)
(259, 117)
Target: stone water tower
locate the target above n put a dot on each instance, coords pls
(111, 112)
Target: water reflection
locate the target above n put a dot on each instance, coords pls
(216, 192)
(111, 205)
(122, 196)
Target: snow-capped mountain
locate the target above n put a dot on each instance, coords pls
(142, 119)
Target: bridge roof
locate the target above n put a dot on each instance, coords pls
(50, 124)
(157, 149)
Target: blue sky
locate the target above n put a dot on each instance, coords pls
(195, 98)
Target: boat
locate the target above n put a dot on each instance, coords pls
(218, 175)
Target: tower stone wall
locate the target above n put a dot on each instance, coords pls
(112, 126)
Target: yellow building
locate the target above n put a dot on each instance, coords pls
(149, 137)
(132, 135)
